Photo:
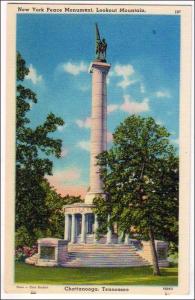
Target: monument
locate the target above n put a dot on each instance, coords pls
(80, 247)
(80, 222)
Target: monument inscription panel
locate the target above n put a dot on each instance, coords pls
(47, 252)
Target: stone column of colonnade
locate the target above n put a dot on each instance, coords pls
(67, 224)
(72, 236)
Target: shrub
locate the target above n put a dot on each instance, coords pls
(173, 259)
(22, 237)
(22, 253)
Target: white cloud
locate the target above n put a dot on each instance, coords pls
(142, 88)
(33, 75)
(75, 68)
(61, 128)
(111, 73)
(84, 145)
(130, 106)
(163, 94)
(124, 71)
(125, 83)
(159, 122)
(84, 123)
(112, 108)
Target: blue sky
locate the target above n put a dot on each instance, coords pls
(144, 53)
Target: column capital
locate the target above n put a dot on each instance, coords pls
(102, 66)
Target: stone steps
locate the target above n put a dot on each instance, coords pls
(117, 255)
(100, 255)
(108, 262)
(103, 255)
(102, 252)
(93, 263)
(98, 265)
(103, 248)
(97, 245)
(163, 263)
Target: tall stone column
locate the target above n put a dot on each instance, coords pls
(66, 232)
(99, 72)
(73, 228)
(83, 229)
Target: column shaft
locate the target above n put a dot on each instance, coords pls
(99, 72)
(73, 229)
(66, 231)
(109, 234)
(97, 128)
(95, 228)
(83, 229)
(126, 239)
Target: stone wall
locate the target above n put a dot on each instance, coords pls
(161, 247)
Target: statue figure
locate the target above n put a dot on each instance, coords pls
(101, 47)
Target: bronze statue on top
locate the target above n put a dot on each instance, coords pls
(101, 47)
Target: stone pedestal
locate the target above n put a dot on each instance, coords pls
(52, 252)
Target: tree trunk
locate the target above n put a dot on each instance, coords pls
(156, 270)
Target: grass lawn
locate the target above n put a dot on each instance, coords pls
(116, 276)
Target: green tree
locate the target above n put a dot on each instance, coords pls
(33, 146)
(54, 203)
(54, 224)
(140, 174)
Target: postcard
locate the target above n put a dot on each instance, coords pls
(97, 200)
